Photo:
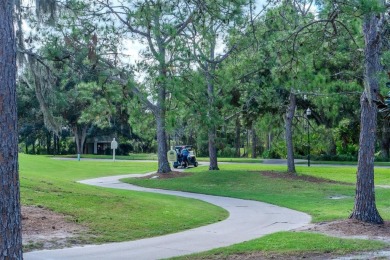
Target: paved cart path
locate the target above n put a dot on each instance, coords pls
(247, 220)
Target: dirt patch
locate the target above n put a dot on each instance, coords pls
(170, 175)
(302, 177)
(350, 228)
(45, 229)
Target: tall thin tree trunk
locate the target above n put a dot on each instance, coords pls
(365, 207)
(289, 133)
(83, 137)
(58, 147)
(254, 143)
(211, 115)
(269, 140)
(10, 227)
(159, 112)
(237, 142)
(55, 144)
(77, 139)
(80, 134)
(48, 142)
(248, 131)
(163, 164)
(212, 150)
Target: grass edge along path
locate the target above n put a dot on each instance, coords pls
(290, 245)
(110, 215)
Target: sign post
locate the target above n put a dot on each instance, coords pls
(172, 156)
(114, 146)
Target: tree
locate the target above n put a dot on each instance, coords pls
(69, 52)
(288, 121)
(10, 228)
(54, 79)
(273, 66)
(217, 20)
(373, 21)
(365, 207)
(157, 24)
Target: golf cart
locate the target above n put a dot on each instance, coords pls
(185, 156)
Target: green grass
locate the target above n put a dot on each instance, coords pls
(153, 156)
(344, 173)
(111, 215)
(342, 163)
(244, 181)
(291, 244)
(114, 215)
(133, 156)
(235, 160)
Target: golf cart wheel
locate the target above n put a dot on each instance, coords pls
(196, 164)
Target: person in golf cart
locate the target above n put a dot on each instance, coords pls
(184, 154)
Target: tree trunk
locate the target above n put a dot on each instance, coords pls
(269, 141)
(10, 228)
(80, 134)
(48, 142)
(289, 133)
(237, 142)
(54, 144)
(211, 115)
(212, 150)
(254, 143)
(159, 113)
(247, 143)
(365, 208)
(57, 147)
(76, 139)
(163, 164)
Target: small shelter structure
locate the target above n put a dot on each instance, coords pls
(98, 145)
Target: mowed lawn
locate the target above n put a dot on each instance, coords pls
(110, 215)
(323, 200)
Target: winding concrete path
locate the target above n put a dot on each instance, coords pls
(247, 220)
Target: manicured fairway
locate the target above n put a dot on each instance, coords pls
(319, 199)
(111, 215)
(322, 199)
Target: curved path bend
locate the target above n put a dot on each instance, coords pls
(247, 220)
